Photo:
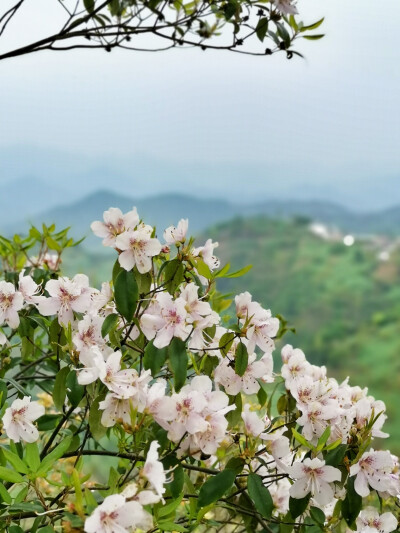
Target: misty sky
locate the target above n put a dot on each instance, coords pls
(329, 119)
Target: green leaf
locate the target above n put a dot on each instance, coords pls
(314, 37)
(60, 388)
(95, 413)
(175, 487)
(240, 272)
(89, 5)
(335, 457)
(110, 323)
(117, 268)
(323, 438)
(126, 294)
(53, 456)
(297, 506)
(301, 439)
(173, 275)
(53, 244)
(15, 461)
(262, 28)
(47, 422)
(241, 359)
(313, 26)
(171, 526)
(3, 393)
(351, 505)
(75, 391)
(32, 456)
(215, 487)
(318, 516)
(236, 464)
(260, 495)
(154, 358)
(4, 495)
(203, 269)
(10, 475)
(178, 360)
(226, 342)
(15, 529)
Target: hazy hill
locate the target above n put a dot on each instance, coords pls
(165, 209)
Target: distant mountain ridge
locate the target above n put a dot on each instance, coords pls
(166, 209)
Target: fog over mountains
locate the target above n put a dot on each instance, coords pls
(166, 209)
(34, 179)
(46, 185)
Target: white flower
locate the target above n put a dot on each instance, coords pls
(153, 470)
(312, 475)
(114, 224)
(285, 6)
(94, 365)
(248, 383)
(66, 296)
(89, 333)
(374, 469)
(120, 382)
(206, 253)
(28, 288)
(253, 424)
(138, 247)
(116, 515)
(18, 420)
(11, 301)
(177, 235)
(165, 319)
(261, 326)
(280, 495)
(369, 521)
(115, 409)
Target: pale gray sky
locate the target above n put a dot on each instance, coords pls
(329, 119)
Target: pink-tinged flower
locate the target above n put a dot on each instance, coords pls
(248, 383)
(11, 301)
(280, 495)
(277, 443)
(153, 470)
(18, 420)
(315, 418)
(285, 6)
(252, 423)
(116, 515)
(28, 288)
(120, 382)
(177, 235)
(138, 248)
(3, 339)
(295, 367)
(374, 470)
(114, 224)
(370, 521)
(89, 333)
(206, 253)
(313, 476)
(66, 296)
(115, 409)
(166, 319)
(261, 326)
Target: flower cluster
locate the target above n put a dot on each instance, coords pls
(189, 406)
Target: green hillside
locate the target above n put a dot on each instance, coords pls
(343, 301)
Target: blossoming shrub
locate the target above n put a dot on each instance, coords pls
(143, 407)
